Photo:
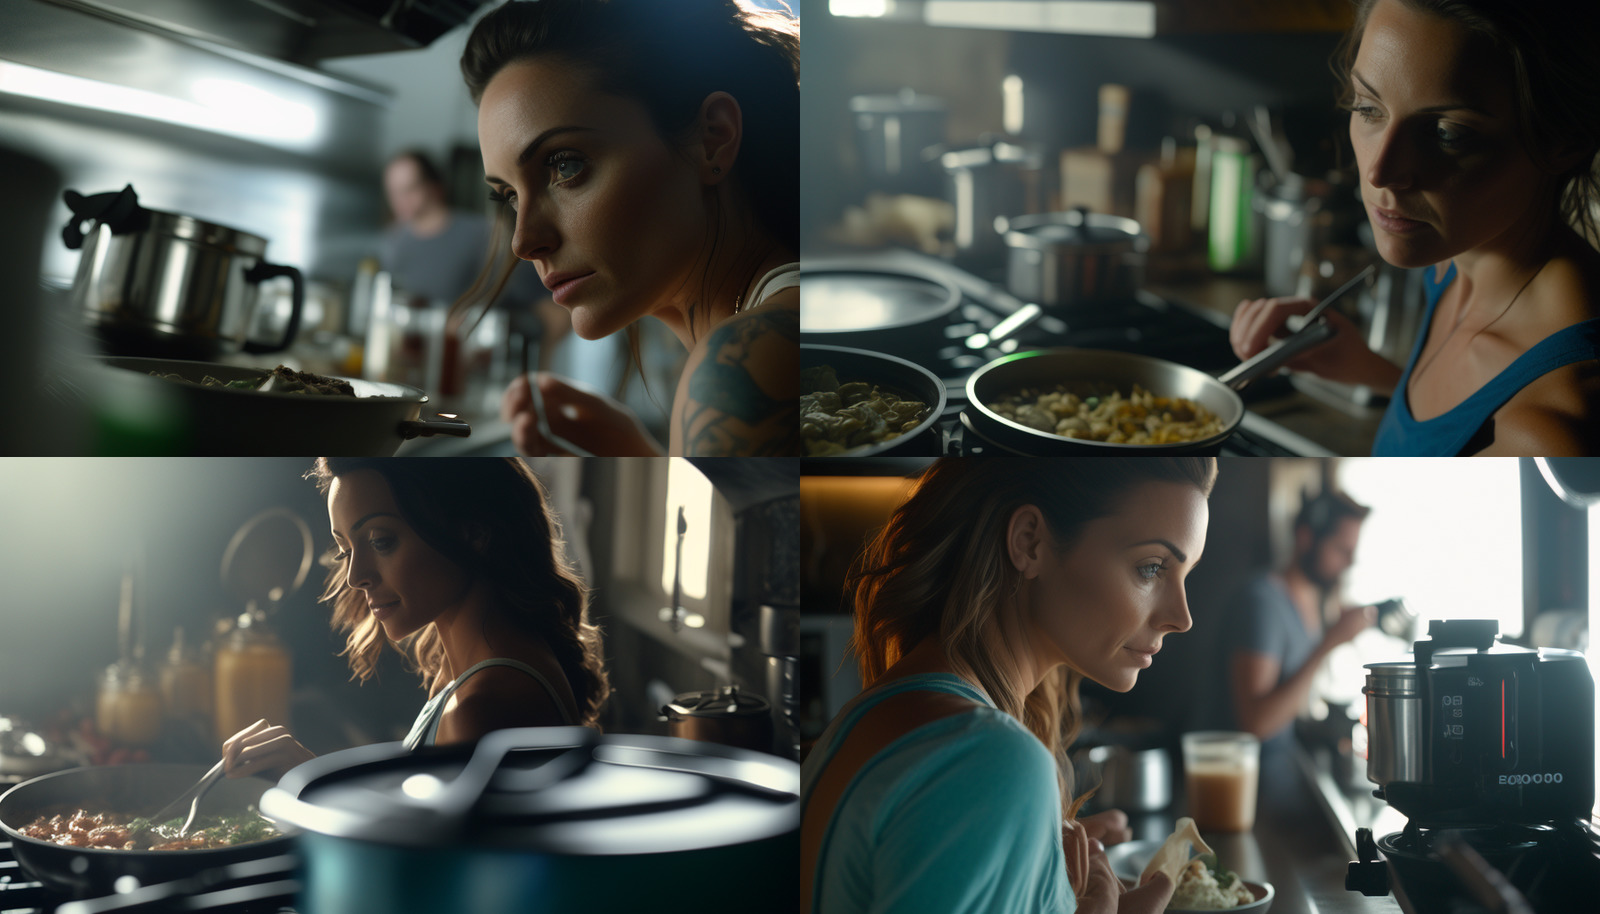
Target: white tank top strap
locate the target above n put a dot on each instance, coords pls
(773, 282)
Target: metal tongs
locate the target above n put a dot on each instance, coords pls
(191, 798)
(1313, 332)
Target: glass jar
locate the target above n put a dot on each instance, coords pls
(253, 675)
(186, 688)
(128, 705)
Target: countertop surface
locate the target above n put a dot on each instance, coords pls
(1297, 844)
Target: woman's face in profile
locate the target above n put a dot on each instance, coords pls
(406, 582)
(1441, 162)
(1105, 603)
(600, 198)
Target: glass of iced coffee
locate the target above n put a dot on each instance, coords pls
(1220, 772)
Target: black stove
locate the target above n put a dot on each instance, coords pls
(1145, 324)
(263, 886)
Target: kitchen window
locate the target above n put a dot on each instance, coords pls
(1445, 534)
(646, 548)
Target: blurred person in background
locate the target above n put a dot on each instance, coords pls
(1278, 640)
(647, 155)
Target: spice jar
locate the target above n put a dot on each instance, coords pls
(253, 674)
(128, 705)
(186, 689)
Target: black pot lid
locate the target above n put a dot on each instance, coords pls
(726, 702)
(558, 790)
(851, 300)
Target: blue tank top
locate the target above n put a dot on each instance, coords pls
(1401, 435)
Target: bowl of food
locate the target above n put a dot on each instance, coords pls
(1083, 401)
(855, 403)
(170, 406)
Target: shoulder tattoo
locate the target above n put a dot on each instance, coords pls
(728, 413)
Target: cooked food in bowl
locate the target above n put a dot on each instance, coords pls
(282, 379)
(1139, 418)
(111, 832)
(837, 417)
(1204, 886)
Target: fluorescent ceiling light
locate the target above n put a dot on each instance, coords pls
(862, 9)
(221, 106)
(1124, 18)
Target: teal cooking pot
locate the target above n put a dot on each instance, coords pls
(545, 819)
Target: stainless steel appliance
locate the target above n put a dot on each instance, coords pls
(1485, 745)
(892, 132)
(167, 285)
(995, 179)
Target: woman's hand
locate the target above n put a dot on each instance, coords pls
(262, 748)
(1343, 358)
(592, 421)
(1109, 827)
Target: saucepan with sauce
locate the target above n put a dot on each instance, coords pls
(85, 849)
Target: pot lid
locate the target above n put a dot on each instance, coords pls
(727, 701)
(991, 151)
(1078, 228)
(560, 790)
(24, 752)
(849, 300)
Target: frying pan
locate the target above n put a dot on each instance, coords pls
(220, 421)
(898, 375)
(867, 306)
(130, 789)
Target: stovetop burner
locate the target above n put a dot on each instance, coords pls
(1147, 325)
(264, 886)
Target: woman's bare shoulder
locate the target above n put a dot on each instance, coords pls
(1556, 415)
(739, 395)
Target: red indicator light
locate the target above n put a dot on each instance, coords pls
(1502, 718)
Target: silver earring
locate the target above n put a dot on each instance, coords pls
(716, 169)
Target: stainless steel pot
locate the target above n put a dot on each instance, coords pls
(1130, 779)
(1074, 259)
(993, 180)
(168, 285)
(726, 715)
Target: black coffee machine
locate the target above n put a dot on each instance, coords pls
(1488, 749)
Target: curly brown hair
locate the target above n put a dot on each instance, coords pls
(939, 569)
(502, 503)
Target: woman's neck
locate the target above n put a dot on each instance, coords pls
(461, 631)
(732, 268)
(1493, 272)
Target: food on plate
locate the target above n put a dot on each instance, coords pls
(1139, 418)
(110, 832)
(1173, 855)
(1204, 886)
(282, 379)
(836, 417)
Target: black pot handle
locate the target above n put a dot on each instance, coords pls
(117, 210)
(262, 271)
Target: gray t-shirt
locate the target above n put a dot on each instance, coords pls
(444, 266)
(1267, 623)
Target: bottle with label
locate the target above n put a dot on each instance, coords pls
(253, 676)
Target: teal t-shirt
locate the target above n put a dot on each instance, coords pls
(961, 815)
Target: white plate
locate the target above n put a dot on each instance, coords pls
(1128, 860)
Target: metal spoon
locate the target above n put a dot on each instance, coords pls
(192, 798)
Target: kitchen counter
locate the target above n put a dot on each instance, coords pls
(1296, 844)
(1314, 409)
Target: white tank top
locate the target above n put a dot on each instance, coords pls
(426, 728)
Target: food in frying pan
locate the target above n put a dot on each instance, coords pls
(282, 379)
(111, 832)
(1139, 418)
(835, 417)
